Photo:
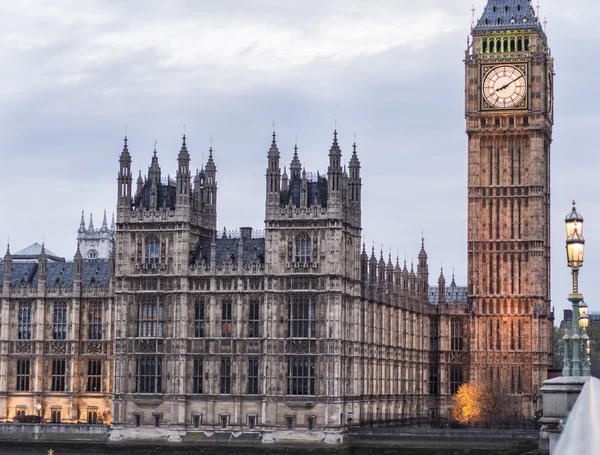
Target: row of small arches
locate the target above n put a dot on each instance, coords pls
(499, 45)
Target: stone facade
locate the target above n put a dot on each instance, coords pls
(294, 328)
(509, 115)
(56, 339)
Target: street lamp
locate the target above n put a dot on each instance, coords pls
(576, 359)
(39, 408)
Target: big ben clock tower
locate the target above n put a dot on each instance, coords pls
(509, 115)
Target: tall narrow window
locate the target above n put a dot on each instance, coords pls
(252, 375)
(519, 334)
(456, 335)
(491, 335)
(198, 375)
(94, 375)
(498, 339)
(24, 322)
(149, 375)
(199, 319)
(301, 316)
(95, 321)
(253, 319)
(512, 335)
(59, 327)
(226, 321)
(301, 376)
(433, 379)
(225, 378)
(58, 375)
(150, 317)
(23, 371)
(303, 249)
(152, 250)
(456, 378)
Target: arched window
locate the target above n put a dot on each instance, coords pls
(519, 8)
(526, 44)
(494, 9)
(484, 45)
(150, 317)
(92, 254)
(512, 45)
(492, 46)
(519, 44)
(499, 21)
(303, 248)
(152, 250)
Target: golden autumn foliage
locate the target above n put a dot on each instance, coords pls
(468, 403)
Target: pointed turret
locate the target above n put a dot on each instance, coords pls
(422, 268)
(91, 224)
(295, 166)
(210, 192)
(124, 178)
(154, 174)
(7, 268)
(104, 227)
(112, 223)
(441, 288)
(453, 283)
(183, 176)
(373, 267)
(354, 193)
(140, 185)
(273, 177)
(42, 269)
(334, 171)
(364, 264)
(78, 262)
(81, 223)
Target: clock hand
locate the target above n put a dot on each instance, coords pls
(506, 85)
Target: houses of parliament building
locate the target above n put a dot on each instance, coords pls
(163, 325)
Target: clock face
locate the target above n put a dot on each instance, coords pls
(504, 87)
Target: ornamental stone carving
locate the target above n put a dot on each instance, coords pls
(58, 347)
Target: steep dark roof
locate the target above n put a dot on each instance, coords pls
(316, 192)
(454, 294)
(253, 251)
(166, 194)
(59, 273)
(501, 15)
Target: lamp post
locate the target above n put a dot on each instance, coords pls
(39, 408)
(576, 356)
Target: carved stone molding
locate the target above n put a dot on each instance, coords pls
(23, 347)
(58, 347)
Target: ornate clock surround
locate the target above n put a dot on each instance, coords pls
(484, 70)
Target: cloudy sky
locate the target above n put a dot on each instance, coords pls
(76, 74)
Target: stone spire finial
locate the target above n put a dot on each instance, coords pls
(112, 223)
(91, 225)
(453, 283)
(82, 223)
(104, 223)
